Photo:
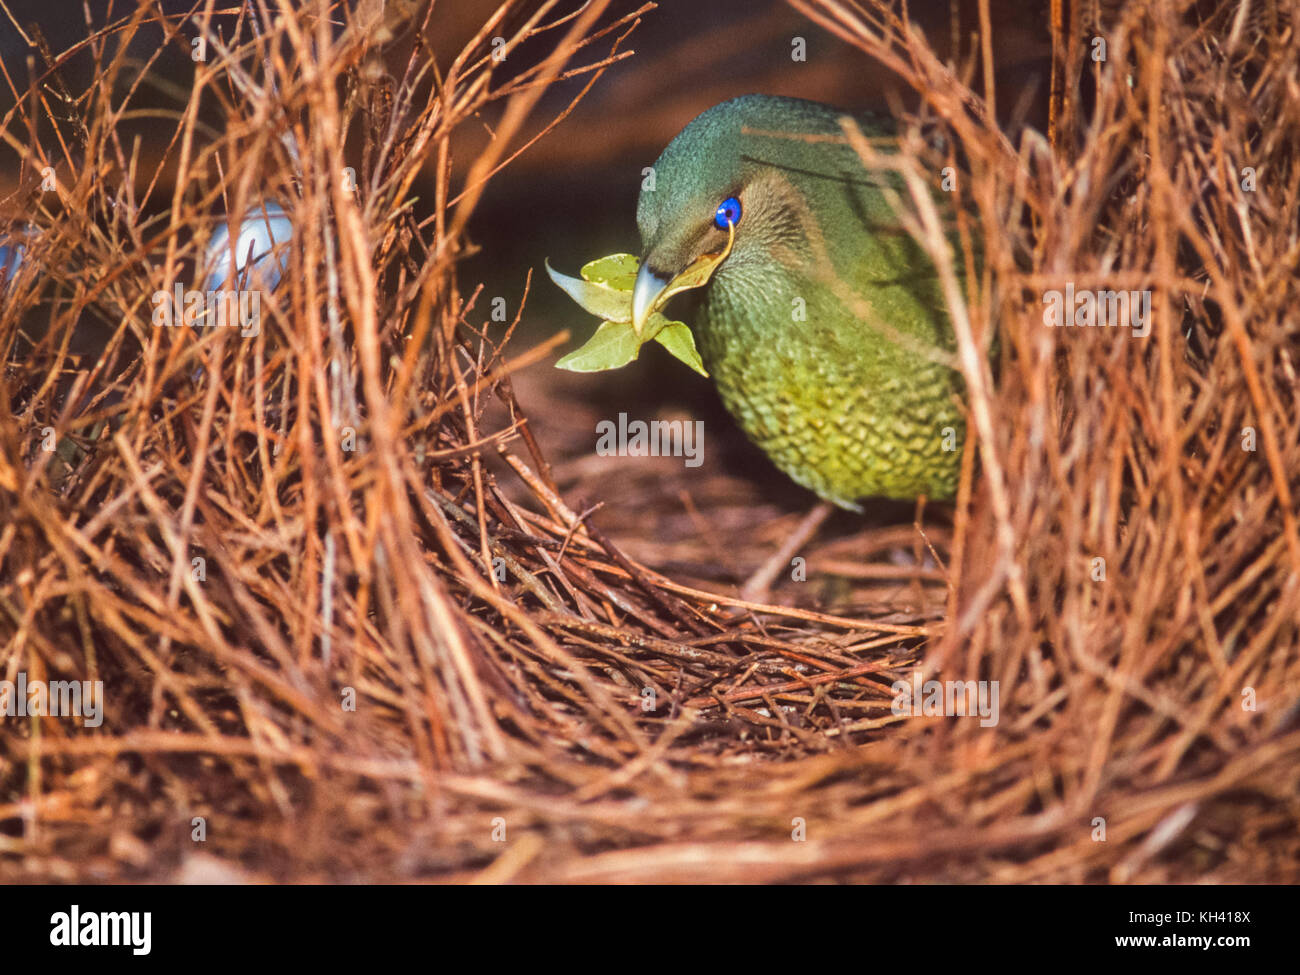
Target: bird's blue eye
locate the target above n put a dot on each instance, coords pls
(728, 212)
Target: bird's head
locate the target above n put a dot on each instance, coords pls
(729, 193)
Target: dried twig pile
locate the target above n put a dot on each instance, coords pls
(329, 629)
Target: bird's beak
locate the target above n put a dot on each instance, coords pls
(652, 288)
(645, 295)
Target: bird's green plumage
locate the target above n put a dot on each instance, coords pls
(824, 327)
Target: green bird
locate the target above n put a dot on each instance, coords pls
(824, 325)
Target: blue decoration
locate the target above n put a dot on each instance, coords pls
(264, 231)
(11, 257)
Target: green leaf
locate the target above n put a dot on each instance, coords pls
(605, 290)
(599, 299)
(614, 345)
(677, 339)
(618, 271)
